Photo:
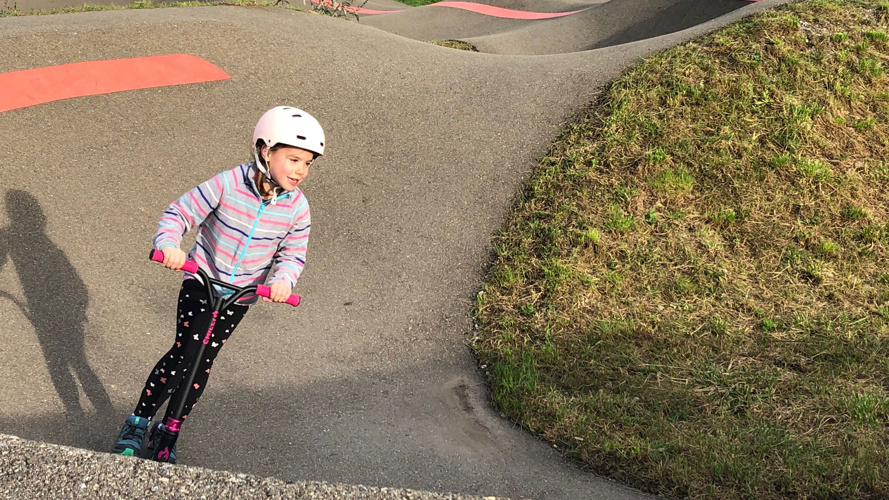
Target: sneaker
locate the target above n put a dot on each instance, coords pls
(129, 442)
(153, 438)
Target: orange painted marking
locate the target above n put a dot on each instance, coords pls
(30, 87)
(490, 10)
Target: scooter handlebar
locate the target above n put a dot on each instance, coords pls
(264, 291)
(190, 266)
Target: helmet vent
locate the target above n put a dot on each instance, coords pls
(287, 108)
(322, 144)
(297, 116)
(301, 137)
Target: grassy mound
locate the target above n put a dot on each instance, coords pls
(418, 3)
(455, 44)
(10, 9)
(692, 294)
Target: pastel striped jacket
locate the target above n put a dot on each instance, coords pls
(240, 237)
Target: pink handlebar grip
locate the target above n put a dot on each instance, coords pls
(264, 291)
(190, 266)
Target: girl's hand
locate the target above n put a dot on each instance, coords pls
(174, 258)
(278, 292)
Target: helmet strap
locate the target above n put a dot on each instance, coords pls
(260, 164)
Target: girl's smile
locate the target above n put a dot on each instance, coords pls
(289, 165)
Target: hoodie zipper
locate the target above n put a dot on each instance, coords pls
(262, 207)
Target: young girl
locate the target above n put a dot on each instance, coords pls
(252, 225)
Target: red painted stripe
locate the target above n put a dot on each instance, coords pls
(52, 83)
(487, 10)
(492, 11)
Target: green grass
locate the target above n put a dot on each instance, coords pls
(418, 3)
(691, 294)
(455, 44)
(9, 9)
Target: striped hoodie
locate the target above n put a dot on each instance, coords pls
(240, 236)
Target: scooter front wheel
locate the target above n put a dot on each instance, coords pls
(161, 444)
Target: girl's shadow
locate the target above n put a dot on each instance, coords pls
(55, 303)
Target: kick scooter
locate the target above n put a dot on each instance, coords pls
(169, 433)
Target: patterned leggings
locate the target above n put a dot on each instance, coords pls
(192, 320)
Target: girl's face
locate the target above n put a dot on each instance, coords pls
(289, 165)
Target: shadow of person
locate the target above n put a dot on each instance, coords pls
(55, 303)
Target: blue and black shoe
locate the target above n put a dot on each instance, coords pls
(154, 436)
(129, 442)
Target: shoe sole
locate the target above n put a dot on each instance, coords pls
(128, 451)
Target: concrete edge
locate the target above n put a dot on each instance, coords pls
(30, 469)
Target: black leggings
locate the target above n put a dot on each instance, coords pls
(192, 320)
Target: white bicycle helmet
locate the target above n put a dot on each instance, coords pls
(288, 126)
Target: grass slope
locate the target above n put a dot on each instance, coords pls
(418, 3)
(11, 9)
(691, 295)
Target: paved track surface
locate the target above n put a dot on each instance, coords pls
(30, 469)
(370, 381)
